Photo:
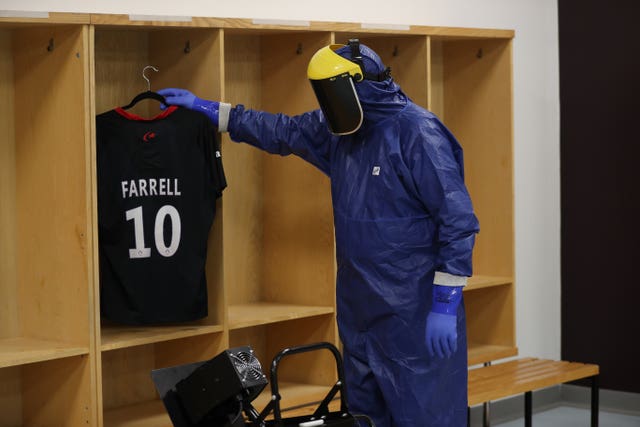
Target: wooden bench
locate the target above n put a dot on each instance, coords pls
(526, 375)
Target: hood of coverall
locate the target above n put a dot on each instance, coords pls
(380, 99)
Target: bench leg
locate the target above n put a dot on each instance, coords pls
(486, 415)
(527, 409)
(595, 403)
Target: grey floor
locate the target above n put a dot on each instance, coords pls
(567, 416)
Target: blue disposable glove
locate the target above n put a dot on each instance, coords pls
(441, 330)
(186, 99)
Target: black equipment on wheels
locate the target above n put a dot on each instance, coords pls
(215, 393)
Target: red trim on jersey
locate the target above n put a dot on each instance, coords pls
(127, 115)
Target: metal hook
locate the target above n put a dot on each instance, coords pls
(395, 51)
(145, 77)
(299, 49)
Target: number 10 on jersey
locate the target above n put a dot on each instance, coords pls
(141, 251)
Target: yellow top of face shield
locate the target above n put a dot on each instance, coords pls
(326, 64)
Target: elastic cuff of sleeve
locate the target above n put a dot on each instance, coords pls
(446, 279)
(223, 116)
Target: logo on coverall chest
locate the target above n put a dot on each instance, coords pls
(376, 171)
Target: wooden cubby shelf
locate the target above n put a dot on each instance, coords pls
(144, 414)
(270, 264)
(153, 413)
(247, 315)
(293, 395)
(479, 282)
(483, 353)
(121, 337)
(19, 351)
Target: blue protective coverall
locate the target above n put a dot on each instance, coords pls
(401, 212)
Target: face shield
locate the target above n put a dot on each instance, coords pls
(332, 79)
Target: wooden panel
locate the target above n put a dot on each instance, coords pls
(115, 337)
(490, 316)
(477, 106)
(120, 57)
(51, 176)
(135, 21)
(482, 353)
(126, 376)
(189, 350)
(298, 219)
(10, 397)
(58, 393)
(242, 204)
(317, 367)
(198, 69)
(436, 95)
(146, 414)
(8, 292)
(18, 351)
(479, 282)
(241, 316)
(53, 17)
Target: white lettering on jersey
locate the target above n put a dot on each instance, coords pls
(150, 187)
(133, 191)
(124, 189)
(142, 186)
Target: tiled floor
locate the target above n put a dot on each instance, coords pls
(567, 416)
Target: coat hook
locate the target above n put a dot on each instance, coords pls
(479, 54)
(299, 49)
(395, 51)
(145, 77)
(51, 45)
(187, 47)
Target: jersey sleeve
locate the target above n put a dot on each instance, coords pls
(213, 153)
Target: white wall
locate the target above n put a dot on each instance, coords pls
(536, 114)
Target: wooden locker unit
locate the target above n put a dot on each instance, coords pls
(47, 370)
(271, 256)
(187, 58)
(473, 98)
(279, 217)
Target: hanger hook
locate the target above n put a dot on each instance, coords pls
(145, 77)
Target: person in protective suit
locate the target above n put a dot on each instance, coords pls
(404, 229)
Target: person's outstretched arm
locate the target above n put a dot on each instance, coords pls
(306, 135)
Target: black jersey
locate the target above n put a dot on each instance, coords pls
(158, 181)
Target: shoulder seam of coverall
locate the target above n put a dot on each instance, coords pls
(224, 110)
(445, 279)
